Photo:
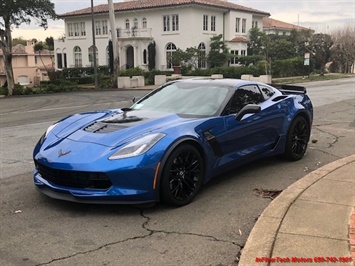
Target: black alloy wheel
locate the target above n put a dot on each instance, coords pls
(182, 176)
(297, 139)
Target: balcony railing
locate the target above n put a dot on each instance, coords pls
(134, 33)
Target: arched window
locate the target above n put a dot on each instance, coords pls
(91, 55)
(201, 55)
(170, 49)
(135, 23)
(127, 24)
(144, 23)
(145, 57)
(78, 62)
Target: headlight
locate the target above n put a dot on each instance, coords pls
(49, 129)
(137, 147)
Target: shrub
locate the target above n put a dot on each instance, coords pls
(288, 67)
(132, 72)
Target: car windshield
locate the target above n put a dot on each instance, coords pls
(189, 98)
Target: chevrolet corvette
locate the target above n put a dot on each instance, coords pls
(171, 142)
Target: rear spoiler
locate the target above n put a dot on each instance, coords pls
(289, 88)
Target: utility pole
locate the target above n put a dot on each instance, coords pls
(116, 59)
(94, 45)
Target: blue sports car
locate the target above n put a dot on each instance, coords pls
(171, 142)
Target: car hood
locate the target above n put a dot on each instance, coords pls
(118, 127)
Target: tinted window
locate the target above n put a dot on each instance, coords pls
(266, 91)
(249, 94)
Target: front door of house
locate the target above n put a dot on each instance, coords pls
(130, 57)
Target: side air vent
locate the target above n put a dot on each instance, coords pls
(278, 98)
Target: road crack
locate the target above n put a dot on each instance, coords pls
(210, 237)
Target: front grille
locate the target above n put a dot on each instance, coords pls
(75, 179)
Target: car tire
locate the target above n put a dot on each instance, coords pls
(182, 176)
(297, 139)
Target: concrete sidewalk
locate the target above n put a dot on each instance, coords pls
(312, 221)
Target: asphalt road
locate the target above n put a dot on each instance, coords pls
(36, 230)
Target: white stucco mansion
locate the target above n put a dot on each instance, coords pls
(171, 24)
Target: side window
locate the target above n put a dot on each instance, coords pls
(249, 94)
(267, 92)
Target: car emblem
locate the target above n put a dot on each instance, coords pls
(61, 153)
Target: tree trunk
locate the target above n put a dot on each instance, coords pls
(9, 71)
(6, 46)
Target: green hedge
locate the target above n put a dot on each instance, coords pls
(288, 67)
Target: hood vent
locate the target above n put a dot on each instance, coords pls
(99, 127)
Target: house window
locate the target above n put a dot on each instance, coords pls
(244, 25)
(237, 25)
(166, 23)
(170, 49)
(205, 22)
(77, 57)
(97, 27)
(243, 52)
(59, 61)
(213, 23)
(175, 22)
(91, 55)
(145, 57)
(76, 29)
(202, 55)
(254, 24)
(144, 23)
(104, 27)
(65, 60)
(36, 60)
(127, 24)
(82, 29)
(135, 23)
(234, 59)
(23, 80)
(70, 30)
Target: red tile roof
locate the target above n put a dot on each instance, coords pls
(145, 4)
(239, 39)
(269, 23)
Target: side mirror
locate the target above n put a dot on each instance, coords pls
(248, 109)
(135, 99)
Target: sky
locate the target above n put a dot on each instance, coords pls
(322, 16)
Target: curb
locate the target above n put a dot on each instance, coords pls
(262, 237)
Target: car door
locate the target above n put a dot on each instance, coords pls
(254, 133)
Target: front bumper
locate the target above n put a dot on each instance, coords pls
(115, 194)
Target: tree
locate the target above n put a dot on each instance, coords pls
(19, 40)
(41, 47)
(343, 50)
(256, 40)
(321, 44)
(15, 13)
(281, 49)
(219, 54)
(50, 43)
